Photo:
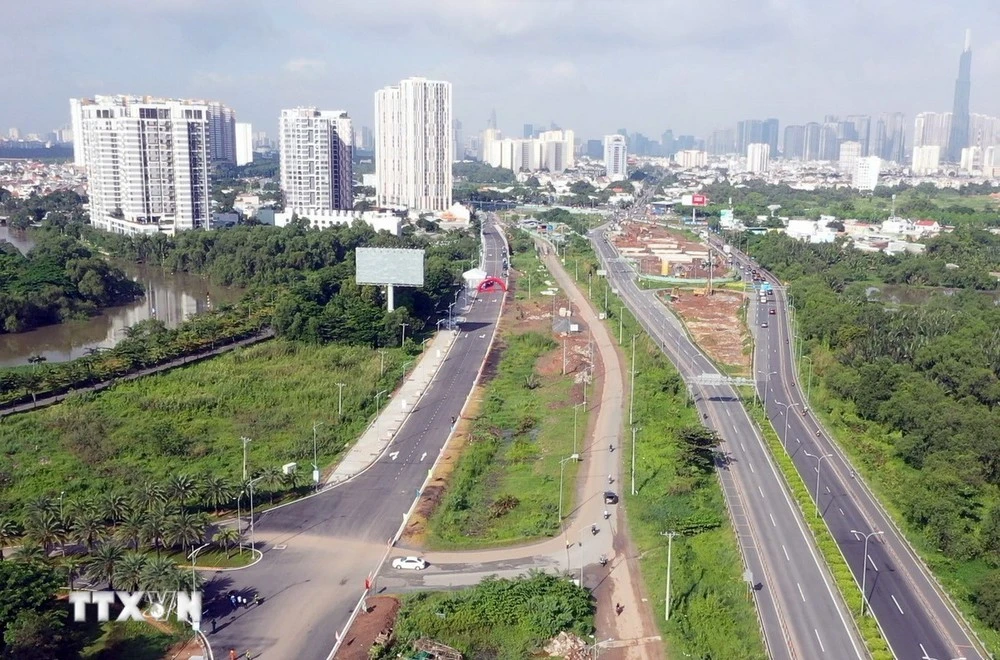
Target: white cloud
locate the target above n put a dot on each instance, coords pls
(305, 67)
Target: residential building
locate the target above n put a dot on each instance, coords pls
(557, 150)
(413, 149)
(147, 161)
(829, 141)
(866, 171)
(811, 141)
(316, 149)
(244, 143)
(222, 133)
(615, 157)
(889, 142)
(758, 157)
(972, 159)
(528, 131)
(76, 121)
(456, 140)
(932, 128)
(595, 149)
(862, 131)
(667, 143)
(491, 147)
(691, 158)
(926, 159)
(959, 133)
(794, 145)
(720, 142)
(850, 152)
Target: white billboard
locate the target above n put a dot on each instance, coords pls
(394, 266)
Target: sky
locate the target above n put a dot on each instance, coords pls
(591, 65)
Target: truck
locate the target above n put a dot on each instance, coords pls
(763, 299)
(727, 249)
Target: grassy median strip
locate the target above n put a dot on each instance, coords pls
(505, 487)
(841, 572)
(711, 615)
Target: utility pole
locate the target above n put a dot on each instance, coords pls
(621, 322)
(670, 546)
(381, 369)
(564, 356)
(403, 340)
(631, 401)
(864, 569)
(634, 429)
(245, 440)
(819, 467)
(340, 398)
(315, 459)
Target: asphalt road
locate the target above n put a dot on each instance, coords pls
(916, 618)
(318, 551)
(801, 613)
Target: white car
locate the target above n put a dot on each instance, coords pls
(411, 563)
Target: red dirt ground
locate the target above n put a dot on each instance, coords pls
(714, 322)
(380, 616)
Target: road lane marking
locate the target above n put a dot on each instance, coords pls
(800, 592)
(750, 465)
(423, 456)
(872, 562)
(772, 520)
(844, 514)
(787, 558)
(393, 455)
(742, 447)
(760, 490)
(828, 490)
(821, 647)
(897, 603)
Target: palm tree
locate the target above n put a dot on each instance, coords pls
(217, 493)
(154, 524)
(159, 574)
(72, 564)
(45, 528)
(130, 529)
(102, 564)
(226, 536)
(41, 505)
(88, 528)
(291, 479)
(181, 488)
(149, 494)
(272, 479)
(31, 552)
(10, 532)
(130, 570)
(184, 529)
(114, 507)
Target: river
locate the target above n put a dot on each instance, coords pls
(172, 298)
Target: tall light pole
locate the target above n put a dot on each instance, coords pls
(631, 399)
(378, 428)
(809, 381)
(621, 320)
(192, 556)
(381, 367)
(819, 466)
(767, 386)
(449, 313)
(634, 430)
(787, 407)
(316, 425)
(562, 466)
(340, 399)
(403, 340)
(576, 408)
(670, 546)
(864, 570)
(61, 496)
(250, 487)
(246, 441)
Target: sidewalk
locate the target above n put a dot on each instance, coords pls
(402, 401)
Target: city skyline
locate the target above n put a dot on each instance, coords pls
(902, 64)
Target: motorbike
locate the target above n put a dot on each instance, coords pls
(604, 560)
(606, 514)
(593, 530)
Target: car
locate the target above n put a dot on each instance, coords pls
(610, 497)
(770, 311)
(410, 563)
(764, 324)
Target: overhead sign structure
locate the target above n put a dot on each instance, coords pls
(389, 267)
(694, 200)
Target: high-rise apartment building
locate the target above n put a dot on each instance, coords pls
(722, 141)
(615, 157)
(667, 143)
(758, 157)
(959, 133)
(76, 121)
(889, 142)
(316, 148)
(557, 150)
(691, 158)
(932, 129)
(926, 159)
(829, 141)
(811, 139)
(865, 173)
(794, 145)
(491, 147)
(862, 128)
(222, 129)
(972, 159)
(770, 134)
(850, 153)
(244, 143)
(456, 140)
(413, 147)
(528, 131)
(147, 162)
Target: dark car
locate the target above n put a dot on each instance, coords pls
(610, 497)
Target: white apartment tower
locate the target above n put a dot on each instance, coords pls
(850, 152)
(244, 143)
(615, 157)
(866, 171)
(758, 157)
(557, 150)
(147, 162)
(926, 159)
(316, 159)
(413, 145)
(76, 121)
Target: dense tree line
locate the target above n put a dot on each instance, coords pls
(56, 208)
(928, 376)
(58, 279)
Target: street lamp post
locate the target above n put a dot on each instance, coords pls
(576, 408)
(246, 441)
(670, 546)
(381, 364)
(809, 381)
(405, 365)
(621, 321)
(378, 428)
(315, 459)
(634, 430)
(787, 407)
(864, 569)
(562, 466)
(449, 314)
(192, 557)
(631, 398)
(340, 399)
(819, 466)
(250, 487)
(402, 341)
(767, 386)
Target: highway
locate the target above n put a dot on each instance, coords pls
(318, 551)
(916, 617)
(801, 613)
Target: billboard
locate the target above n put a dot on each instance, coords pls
(694, 200)
(394, 266)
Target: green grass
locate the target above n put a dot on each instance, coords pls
(134, 640)
(711, 616)
(505, 487)
(189, 420)
(841, 572)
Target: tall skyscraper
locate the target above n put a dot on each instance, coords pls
(492, 121)
(316, 148)
(850, 152)
(491, 147)
(960, 110)
(862, 131)
(557, 151)
(889, 142)
(748, 132)
(829, 143)
(811, 139)
(926, 159)
(147, 162)
(528, 131)
(456, 140)
(794, 145)
(770, 134)
(722, 141)
(758, 157)
(222, 127)
(932, 129)
(76, 121)
(413, 144)
(244, 143)
(615, 157)
(667, 143)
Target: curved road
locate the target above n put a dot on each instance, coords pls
(318, 551)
